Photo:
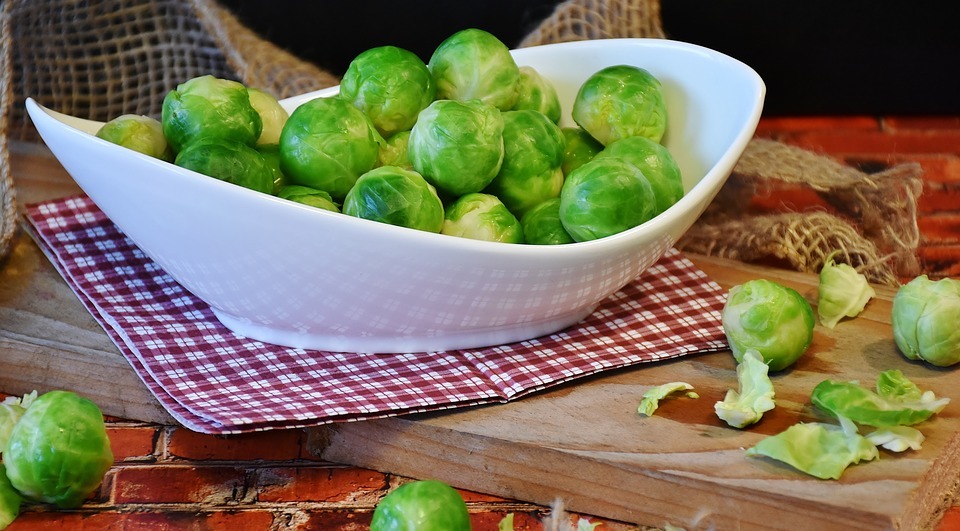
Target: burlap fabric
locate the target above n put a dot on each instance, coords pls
(104, 58)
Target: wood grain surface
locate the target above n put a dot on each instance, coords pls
(582, 442)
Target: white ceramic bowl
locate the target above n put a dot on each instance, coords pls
(285, 273)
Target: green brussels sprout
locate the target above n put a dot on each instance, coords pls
(59, 451)
(327, 144)
(209, 108)
(307, 196)
(397, 196)
(541, 224)
(272, 115)
(473, 64)
(537, 93)
(391, 85)
(532, 154)
(841, 292)
(457, 146)
(656, 163)
(621, 101)
(896, 402)
(139, 133)
(481, 216)
(271, 155)
(925, 316)
(770, 318)
(228, 161)
(10, 500)
(11, 409)
(427, 505)
(393, 152)
(605, 197)
(579, 148)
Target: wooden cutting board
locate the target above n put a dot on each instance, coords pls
(582, 442)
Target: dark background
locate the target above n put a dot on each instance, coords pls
(816, 56)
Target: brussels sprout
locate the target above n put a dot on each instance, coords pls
(308, 196)
(820, 450)
(391, 85)
(393, 195)
(771, 318)
(897, 402)
(842, 292)
(272, 115)
(621, 101)
(579, 148)
(473, 64)
(209, 108)
(59, 451)
(139, 133)
(541, 224)
(11, 409)
(650, 401)
(271, 155)
(327, 144)
(604, 197)
(532, 154)
(482, 217)
(742, 408)
(457, 146)
(537, 93)
(393, 152)
(925, 317)
(9, 500)
(228, 161)
(427, 505)
(656, 163)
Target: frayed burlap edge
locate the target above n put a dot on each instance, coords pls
(8, 205)
(577, 20)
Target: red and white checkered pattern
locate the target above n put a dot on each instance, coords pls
(215, 381)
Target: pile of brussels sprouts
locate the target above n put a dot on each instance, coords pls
(467, 144)
(53, 449)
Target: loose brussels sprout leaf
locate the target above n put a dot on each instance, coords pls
(863, 406)
(59, 450)
(579, 148)
(232, 162)
(621, 101)
(481, 216)
(897, 438)
(209, 108)
(393, 152)
(139, 133)
(537, 93)
(390, 194)
(391, 85)
(271, 155)
(427, 505)
(651, 399)
(771, 318)
(605, 197)
(9, 500)
(820, 450)
(506, 523)
(656, 163)
(457, 146)
(532, 154)
(843, 292)
(272, 115)
(541, 224)
(327, 144)
(11, 409)
(473, 64)
(308, 196)
(925, 317)
(746, 407)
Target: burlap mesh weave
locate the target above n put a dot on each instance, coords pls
(102, 58)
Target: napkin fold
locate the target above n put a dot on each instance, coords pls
(215, 381)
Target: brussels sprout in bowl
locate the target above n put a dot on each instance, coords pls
(288, 273)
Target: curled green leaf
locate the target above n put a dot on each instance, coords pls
(11, 409)
(818, 449)
(897, 401)
(651, 399)
(843, 292)
(742, 408)
(897, 438)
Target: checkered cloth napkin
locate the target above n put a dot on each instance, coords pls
(214, 381)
